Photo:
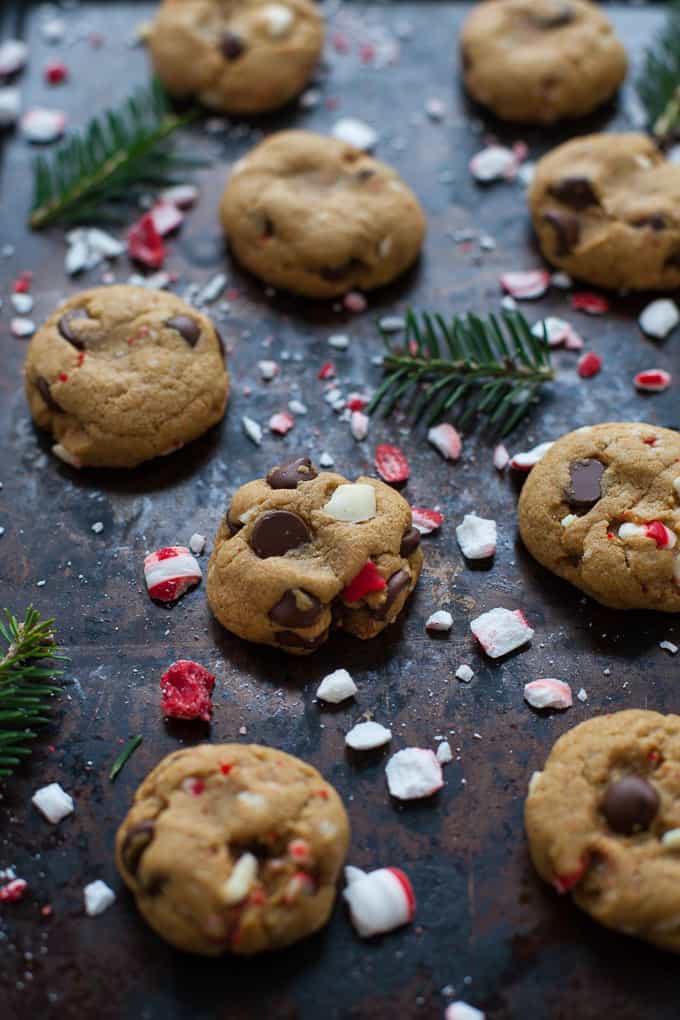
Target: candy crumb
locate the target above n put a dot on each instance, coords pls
(98, 898)
(668, 646)
(464, 673)
(441, 620)
(53, 802)
(336, 687)
(463, 1011)
(412, 773)
(366, 736)
(444, 754)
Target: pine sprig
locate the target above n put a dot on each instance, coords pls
(24, 691)
(117, 156)
(659, 82)
(466, 368)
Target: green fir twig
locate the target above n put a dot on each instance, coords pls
(93, 175)
(464, 368)
(25, 668)
(659, 82)
(123, 757)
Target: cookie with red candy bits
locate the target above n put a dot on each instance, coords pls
(123, 374)
(300, 552)
(233, 848)
(602, 509)
(603, 822)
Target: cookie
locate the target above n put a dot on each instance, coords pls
(603, 822)
(123, 374)
(233, 848)
(602, 509)
(605, 209)
(301, 551)
(239, 56)
(318, 217)
(539, 61)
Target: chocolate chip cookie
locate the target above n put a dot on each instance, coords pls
(539, 61)
(301, 551)
(238, 56)
(233, 848)
(602, 509)
(122, 374)
(606, 208)
(317, 216)
(603, 821)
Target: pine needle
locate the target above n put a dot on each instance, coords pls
(467, 368)
(94, 175)
(24, 691)
(123, 757)
(659, 82)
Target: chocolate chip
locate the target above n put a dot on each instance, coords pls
(395, 587)
(365, 174)
(409, 542)
(673, 260)
(64, 327)
(567, 231)
(656, 221)
(276, 532)
(563, 15)
(289, 639)
(297, 608)
(586, 484)
(289, 475)
(576, 192)
(333, 273)
(135, 843)
(155, 884)
(44, 391)
(630, 805)
(220, 340)
(231, 46)
(187, 328)
(234, 527)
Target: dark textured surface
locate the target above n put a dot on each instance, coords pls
(483, 917)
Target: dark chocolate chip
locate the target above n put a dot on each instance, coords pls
(135, 843)
(276, 532)
(656, 221)
(395, 587)
(232, 46)
(64, 327)
(289, 639)
(567, 231)
(409, 542)
(155, 884)
(289, 475)
(234, 528)
(673, 260)
(365, 174)
(333, 273)
(220, 340)
(187, 328)
(630, 805)
(297, 608)
(44, 391)
(562, 15)
(576, 192)
(586, 484)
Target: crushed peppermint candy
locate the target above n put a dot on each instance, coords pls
(170, 572)
(444, 754)
(476, 537)
(267, 370)
(501, 457)
(558, 332)
(212, 289)
(413, 773)
(197, 543)
(529, 458)
(252, 429)
(548, 693)
(144, 243)
(181, 195)
(358, 424)
(425, 520)
(22, 303)
(339, 341)
(379, 901)
(166, 217)
(463, 1011)
(10, 106)
(500, 631)
(355, 132)
(659, 318)
(591, 304)
(581, 695)
(526, 285)
(53, 802)
(55, 72)
(653, 380)
(355, 302)
(446, 440)
(391, 463)
(589, 364)
(325, 460)
(668, 646)
(494, 163)
(656, 530)
(88, 247)
(441, 620)
(352, 503)
(464, 673)
(336, 687)
(242, 877)
(42, 126)
(366, 736)
(13, 891)
(13, 56)
(187, 691)
(98, 897)
(22, 327)
(281, 423)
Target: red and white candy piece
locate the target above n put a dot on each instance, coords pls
(659, 318)
(426, 521)
(591, 304)
(501, 631)
(187, 691)
(379, 901)
(13, 56)
(166, 217)
(170, 572)
(391, 464)
(41, 125)
(281, 423)
(358, 425)
(439, 621)
(494, 163)
(663, 536)
(367, 580)
(653, 380)
(476, 537)
(446, 440)
(589, 364)
(13, 891)
(352, 503)
(548, 693)
(144, 243)
(558, 332)
(22, 327)
(463, 1011)
(526, 286)
(529, 458)
(366, 736)
(413, 773)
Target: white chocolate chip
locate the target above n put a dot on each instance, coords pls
(278, 19)
(671, 840)
(238, 884)
(352, 503)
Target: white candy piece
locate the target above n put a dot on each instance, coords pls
(659, 318)
(197, 543)
(166, 217)
(13, 56)
(21, 327)
(355, 132)
(352, 503)
(237, 886)
(325, 460)
(558, 332)
(463, 1011)
(446, 440)
(267, 369)
(671, 840)
(339, 341)
(501, 631)
(21, 303)
(464, 673)
(439, 621)
(582, 695)
(493, 163)
(170, 576)
(252, 429)
(41, 125)
(98, 898)
(366, 736)
(501, 457)
(444, 754)
(413, 773)
(53, 802)
(669, 646)
(336, 687)
(181, 195)
(526, 285)
(476, 537)
(548, 693)
(358, 425)
(379, 901)
(10, 105)
(279, 20)
(628, 531)
(529, 458)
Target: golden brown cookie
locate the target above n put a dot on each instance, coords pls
(539, 61)
(300, 551)
(606, 208)
(239, 56)
(603, 822)
(319, 217)
(233, 848)
(602, 509)
(123, 374)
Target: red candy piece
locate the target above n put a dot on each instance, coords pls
(659, 532)
(327, 370)
(563, 883)
(426, 521)
(23, 282)
(591, 304)
(13, 891)
(145, 244)
(55, 72)
(654, 380)
(589, 364)
(367, 580)
(405, 884)
(391, 463)
(187, 689)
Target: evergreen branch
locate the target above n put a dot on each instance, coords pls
(659, 82)
(109, 163)
(123, 757)
(468, 367)
(22, 699)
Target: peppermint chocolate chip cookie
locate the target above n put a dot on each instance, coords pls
(539, 61)
(606, 208)
(299, 552)
(122, 374)
(318, 217)
(603, 822)
(602, 509)
(239, 56)
(233, 848)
